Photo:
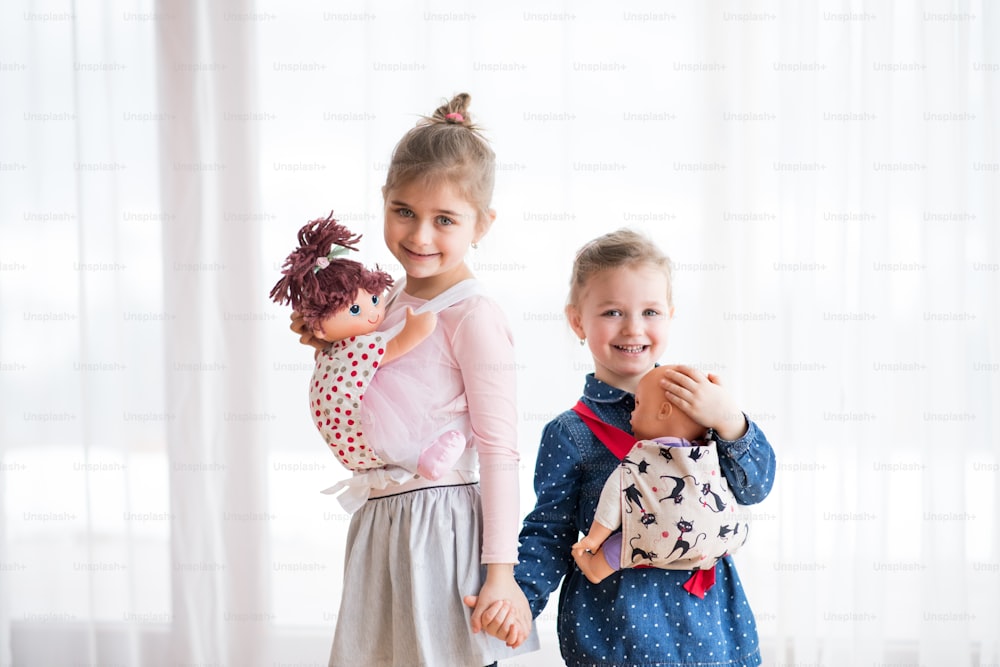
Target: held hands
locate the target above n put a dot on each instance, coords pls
(501, 608)
(703, 398)
(501, 620)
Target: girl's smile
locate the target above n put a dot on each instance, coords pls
(418, 256)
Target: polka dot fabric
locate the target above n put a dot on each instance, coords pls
(635, 617)
(342, 374)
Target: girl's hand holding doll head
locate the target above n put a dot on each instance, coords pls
(655, 416)
(703, 398)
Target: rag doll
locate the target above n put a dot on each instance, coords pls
(342, 303)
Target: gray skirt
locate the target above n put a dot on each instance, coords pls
(410, 559)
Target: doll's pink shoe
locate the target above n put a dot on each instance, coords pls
(441, 456)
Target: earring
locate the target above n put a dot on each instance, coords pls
(475, 246)
(583, 341)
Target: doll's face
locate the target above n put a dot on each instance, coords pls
(361, 317)
(656, 417)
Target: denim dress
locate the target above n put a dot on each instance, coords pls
(635, 617)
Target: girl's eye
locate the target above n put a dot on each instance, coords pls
(404, 212)
(612, 313)
(650, 312)
(444, 221)
(375, 300)
(355, 309)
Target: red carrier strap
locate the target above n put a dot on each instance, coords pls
(699, 582)
(615, 439)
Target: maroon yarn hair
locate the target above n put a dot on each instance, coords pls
(319, 294)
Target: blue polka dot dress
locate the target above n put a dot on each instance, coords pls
(635, 617)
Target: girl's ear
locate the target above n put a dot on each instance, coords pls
(575, 321)
(483, 225)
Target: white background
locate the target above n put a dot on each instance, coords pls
(824, 176)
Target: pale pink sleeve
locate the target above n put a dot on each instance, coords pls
(484, 351)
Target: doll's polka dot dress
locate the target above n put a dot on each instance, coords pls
(340, 378)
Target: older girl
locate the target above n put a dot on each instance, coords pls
(415, 549)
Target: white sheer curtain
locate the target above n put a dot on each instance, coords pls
(212, 294)
(135, 475)
(824, 176)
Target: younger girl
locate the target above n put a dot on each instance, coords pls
(415, 549)
(620, 305)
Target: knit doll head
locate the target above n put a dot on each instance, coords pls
(319, 283)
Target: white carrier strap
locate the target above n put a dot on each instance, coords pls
(355, 491)
(457, 292)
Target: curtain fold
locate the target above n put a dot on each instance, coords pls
(213, 298)
(6, 656)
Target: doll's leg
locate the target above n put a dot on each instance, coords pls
(441, 455)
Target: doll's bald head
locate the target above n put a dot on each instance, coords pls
(656, 417)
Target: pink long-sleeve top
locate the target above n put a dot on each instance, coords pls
(470, 359)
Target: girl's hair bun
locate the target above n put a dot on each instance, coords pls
(454, 112)
(436, 148)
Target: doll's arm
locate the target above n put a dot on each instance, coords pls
(607, 516)
(416, 329)
(589, 552)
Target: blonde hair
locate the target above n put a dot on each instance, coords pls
(624, 247)
(446, 146)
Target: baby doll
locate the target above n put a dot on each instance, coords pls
(669, 497)
(341, 302)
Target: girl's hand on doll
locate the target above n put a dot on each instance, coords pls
(298, 325)
(703, 398)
